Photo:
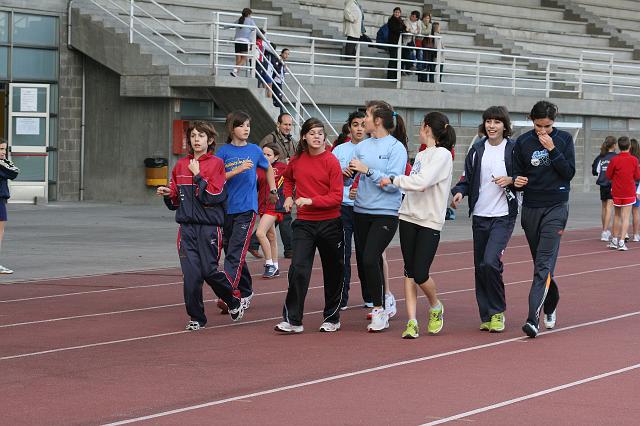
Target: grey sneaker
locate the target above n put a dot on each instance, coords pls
(270, 271)
(285, 327)
(194, 326)
(330, 327)
(4, 270)
(550, 320)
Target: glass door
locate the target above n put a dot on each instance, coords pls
(28, 139)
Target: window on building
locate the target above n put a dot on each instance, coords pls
(35, 30)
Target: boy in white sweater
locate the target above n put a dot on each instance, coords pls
(422, 216)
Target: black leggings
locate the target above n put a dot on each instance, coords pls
(372, 234)
(419, 245)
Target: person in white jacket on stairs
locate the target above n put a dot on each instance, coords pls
(422, 216)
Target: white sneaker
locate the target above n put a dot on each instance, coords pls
(330, 327)
(613, 244)
(550, 320)
(285, 327)
(193, 326)
(246, 301)
(4, 270)
(636, 238)
(379, 320)
(622, 246)
(605, 235)
(390, 305)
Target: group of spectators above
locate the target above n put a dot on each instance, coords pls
(419, 38)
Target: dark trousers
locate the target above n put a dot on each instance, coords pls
(285, 234)
(347, 227)
(543, 227)
(277, 93)
(372, 233)
(326, 236)
(237, 234)
(392, 72)
(199, 249)
(350, 48)
(419, 245)
(490, 238)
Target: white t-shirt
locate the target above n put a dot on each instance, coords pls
(492, 202)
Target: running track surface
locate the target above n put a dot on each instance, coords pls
(111, 349)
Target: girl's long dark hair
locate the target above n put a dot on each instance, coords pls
(311, 123)
(634, 148)
(609, 142)
(443, 132)
(246, 12)
(344, 134)
(391, 120)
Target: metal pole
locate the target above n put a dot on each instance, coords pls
(216, 44)
(252, 58)
(298, 105)
(313, 62)
(131, 21)
(580, 75)
(513, 77)
(212, 57)
(548, 82)
(611, 75)
(399, 63)
(477, 88)
(358, 65)
(439, 61)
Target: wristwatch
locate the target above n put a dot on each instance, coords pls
(391, 178)
(369, 173)
(273, 191)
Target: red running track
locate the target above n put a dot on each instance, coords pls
(111, 348)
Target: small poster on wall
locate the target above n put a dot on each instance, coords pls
(27, 126)
(28, 99)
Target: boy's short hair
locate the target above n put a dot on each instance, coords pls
(624, 143)
(206, 128)
(3, 140)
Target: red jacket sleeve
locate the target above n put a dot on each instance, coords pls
(289, 180)
(210, 182)
(336, 184)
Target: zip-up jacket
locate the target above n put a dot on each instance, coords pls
(198, 199)
(599, 168)
(8, 170)
(469, 184)
(549, 172)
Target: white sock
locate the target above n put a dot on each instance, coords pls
(276, 265)
(268, 262)
(437, 307)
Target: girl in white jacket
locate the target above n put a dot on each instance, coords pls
(422, 216)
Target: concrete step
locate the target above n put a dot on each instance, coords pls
(611, 12)
(507, 10)
(630, 5)
(587, 41)
(558, 27)
(571, 52)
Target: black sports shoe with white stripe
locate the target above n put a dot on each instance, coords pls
(530, 329)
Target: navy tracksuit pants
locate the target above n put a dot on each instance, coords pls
(326, 236)
(237, 236)
(199, 249)
(347, 226)
(543, 227)
(490, 238)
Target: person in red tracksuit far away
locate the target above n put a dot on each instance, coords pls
(314, 178)
(197, 194)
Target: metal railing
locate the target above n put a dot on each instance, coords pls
(316, 59)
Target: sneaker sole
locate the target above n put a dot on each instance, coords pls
(410, 336)
(279, 330)
(376, 330)
(496, 330)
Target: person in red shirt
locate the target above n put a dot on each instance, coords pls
(623, 172)
(270, 213)
(315, 176)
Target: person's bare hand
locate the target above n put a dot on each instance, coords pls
(352, 193)
(288, 203)
(520, 181)
(546, 141)
(456, 200)
(194, 166)
(163, 191)
(503, 181)
(303, 201)
(358, 166)
(384, 182)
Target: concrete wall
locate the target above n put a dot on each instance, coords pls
(120, 133)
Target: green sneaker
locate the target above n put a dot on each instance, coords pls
(497, 323)
(485, 326)
(412, 331)
(436, 320)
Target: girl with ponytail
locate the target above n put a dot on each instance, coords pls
(375, 209)
(315, 177)
(422, 216)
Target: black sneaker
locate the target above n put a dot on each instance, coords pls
(270, 271)
(237, 313)
(530, 329)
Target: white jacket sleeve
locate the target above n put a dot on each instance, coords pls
(435, 170)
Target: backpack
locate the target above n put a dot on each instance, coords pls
(382, 36)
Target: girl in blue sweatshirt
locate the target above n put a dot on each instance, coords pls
(544, 163)
(375, 211)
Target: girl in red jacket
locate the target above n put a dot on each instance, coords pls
(316, 177)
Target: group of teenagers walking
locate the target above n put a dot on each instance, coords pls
(367, 188)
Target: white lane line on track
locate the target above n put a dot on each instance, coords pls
(235, 324)
(149, 308)
(362, 372)
(38, 280)
(532, 395)
(79, 293)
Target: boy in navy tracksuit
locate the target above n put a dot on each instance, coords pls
(197, 193)
(544, 164)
